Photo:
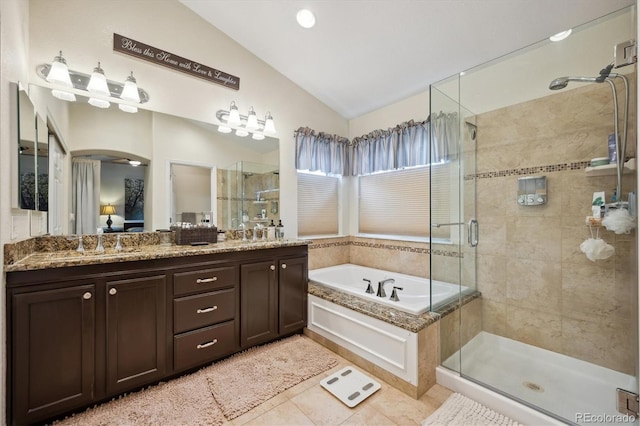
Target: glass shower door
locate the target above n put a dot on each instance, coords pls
(454, 233)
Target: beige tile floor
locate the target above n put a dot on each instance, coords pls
(308, 403)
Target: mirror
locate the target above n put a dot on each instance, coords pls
(26, 152)
(157, 140)
(33, 167)
(249, 193)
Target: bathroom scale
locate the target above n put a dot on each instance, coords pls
(350, 386)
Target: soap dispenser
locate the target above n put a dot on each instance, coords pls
(280, 230)
(271, 233)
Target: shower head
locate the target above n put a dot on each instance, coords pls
(561, 82)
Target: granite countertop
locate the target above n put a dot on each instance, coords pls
(404, 320)
(65, 258)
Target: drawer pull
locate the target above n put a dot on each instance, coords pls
(284, 266)
(206, 310)
(206, 345)
(113, 291)
(206, 280)
(86, 296)
(272, 267)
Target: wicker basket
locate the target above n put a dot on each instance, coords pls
(188, 236)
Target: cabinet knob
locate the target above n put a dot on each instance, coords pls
(206, 280)
(284, 266)
(87, 295)
(272, 267)
(113, 291)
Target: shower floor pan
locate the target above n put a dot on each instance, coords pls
(570, 388)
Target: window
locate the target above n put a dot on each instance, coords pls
(397, 202)
(318, 200)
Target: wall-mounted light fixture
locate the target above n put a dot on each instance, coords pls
(231, 120)
(66, 84)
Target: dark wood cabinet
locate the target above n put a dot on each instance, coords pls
(258, 303)
(273, 299)
(52, 352)
(83, 334)
(205, 311)
(292, 294)
(136, 333)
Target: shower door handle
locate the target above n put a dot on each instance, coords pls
(472, 233)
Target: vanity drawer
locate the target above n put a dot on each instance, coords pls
(204, 309)
(204, 280)
(203, 345)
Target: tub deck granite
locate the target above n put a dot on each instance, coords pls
(404, 320)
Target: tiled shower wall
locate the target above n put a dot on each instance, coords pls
(537, 286)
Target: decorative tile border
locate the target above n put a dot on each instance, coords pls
(393, 247)
(529, 170)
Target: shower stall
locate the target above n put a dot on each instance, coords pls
(538, 326)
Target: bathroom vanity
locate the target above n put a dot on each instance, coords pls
(87, 328)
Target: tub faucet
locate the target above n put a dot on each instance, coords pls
(381, 284)
(369, 289)
(394, 294)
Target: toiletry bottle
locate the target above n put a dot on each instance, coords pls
(271, 233)
(280, 230)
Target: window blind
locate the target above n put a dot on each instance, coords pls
(317, 204)
(397, 202)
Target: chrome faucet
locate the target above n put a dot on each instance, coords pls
(80, 245)
(381, 284)
(369, 289)
(394, 294)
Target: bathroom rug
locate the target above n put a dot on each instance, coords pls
(458, 410)
(248, 379)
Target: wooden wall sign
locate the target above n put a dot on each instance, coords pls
(162, 57)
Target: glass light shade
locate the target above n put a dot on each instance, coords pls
(269, 126)
(234, 115)
(130, 90)
(65, 96)
(224, 129)
(134, 163)
(98, 82)
(257, 136)
(59, 72)
(100, 103)
(128, 108)
(242, 133)
(107, 210)
(252, 121)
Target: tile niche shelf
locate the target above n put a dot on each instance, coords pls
(610, 169)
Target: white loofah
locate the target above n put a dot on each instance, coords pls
(619, 221)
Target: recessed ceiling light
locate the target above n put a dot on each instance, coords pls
(306, 18)
(561, 35)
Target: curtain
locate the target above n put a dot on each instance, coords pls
(321, 152)
(444, 136)
(85, 199)
(411, 143)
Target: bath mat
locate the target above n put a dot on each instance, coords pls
(185, 400)
(250, 378)
(350, 386)
(458, 410)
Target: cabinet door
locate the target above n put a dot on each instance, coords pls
(258, 303)
(292, 294)
(53, 352)
(136, 332)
